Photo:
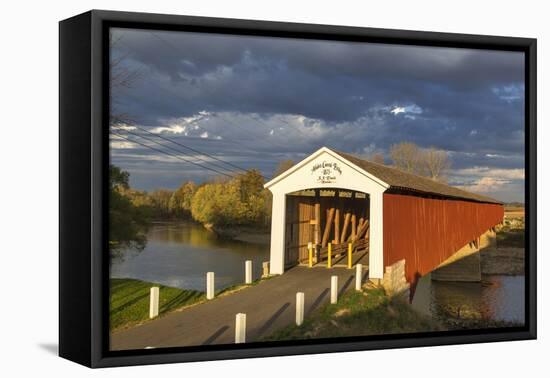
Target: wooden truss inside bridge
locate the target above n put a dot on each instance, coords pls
(323, 221)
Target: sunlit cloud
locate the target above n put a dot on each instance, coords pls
(498, 173)
(182, 125)
(486, 180)
(407, 110)
(119, 143)
(486, 185)
(122, 145)
(509, 93)
(174, 129)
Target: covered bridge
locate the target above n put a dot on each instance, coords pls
(334, 198)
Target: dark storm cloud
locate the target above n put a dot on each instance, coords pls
(233, 73)
(267, 99)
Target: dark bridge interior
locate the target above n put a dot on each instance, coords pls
(323, 216)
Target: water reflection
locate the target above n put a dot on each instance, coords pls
(180, 254)
(497, 297)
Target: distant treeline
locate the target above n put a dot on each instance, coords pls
(514, 204)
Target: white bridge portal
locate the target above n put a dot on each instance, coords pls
(326, 169)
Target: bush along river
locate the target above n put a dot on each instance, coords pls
(180, 254)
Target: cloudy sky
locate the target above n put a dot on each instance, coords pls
(255, 101)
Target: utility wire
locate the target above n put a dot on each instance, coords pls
(194, 150)
(176, 150)
(170, 44)
(170, 154)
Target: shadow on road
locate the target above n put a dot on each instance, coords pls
(272, 320)
(318, 300)
(345, 286)
(215, 335)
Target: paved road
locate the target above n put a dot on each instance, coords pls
(268, 306)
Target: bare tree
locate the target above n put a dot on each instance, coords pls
(430, 162)
(406, 156)
(436, 163)
(377, 158)
(121, 77)
(283, 166)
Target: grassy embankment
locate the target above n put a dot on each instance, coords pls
(366, 312)
(508, 258)
(512, 231)
(129, 300)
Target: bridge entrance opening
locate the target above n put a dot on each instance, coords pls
(326, 220)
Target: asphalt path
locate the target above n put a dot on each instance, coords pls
(268, 306)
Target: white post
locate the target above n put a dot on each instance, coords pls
(358, 276)
(278, 225)
(376, 236)
(248, 272)
(299, 308)
(265, 269)
(240, 328)
(210, 285)
(154, 302)
(334, 289)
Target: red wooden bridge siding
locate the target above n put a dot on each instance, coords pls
(425, 232)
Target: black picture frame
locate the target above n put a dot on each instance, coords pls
(83, 154)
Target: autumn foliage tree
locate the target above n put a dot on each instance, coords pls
(160, 201)
(239, 201)
(182, 198)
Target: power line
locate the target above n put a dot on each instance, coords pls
(194, 150)
(180, 153)
(171, 45)
(170, 154)
(176, 150)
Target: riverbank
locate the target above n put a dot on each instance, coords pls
(360, 313)
(503, 261)
(508, 258)
(251, 235)
(477, 323)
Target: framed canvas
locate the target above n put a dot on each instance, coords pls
(234, 188)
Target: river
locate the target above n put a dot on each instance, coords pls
(180, 254)
(496, 297)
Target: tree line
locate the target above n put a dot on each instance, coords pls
(238, 201)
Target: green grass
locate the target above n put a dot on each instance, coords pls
(129, 301)
(367, 312)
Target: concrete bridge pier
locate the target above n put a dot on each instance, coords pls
(465, 264)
